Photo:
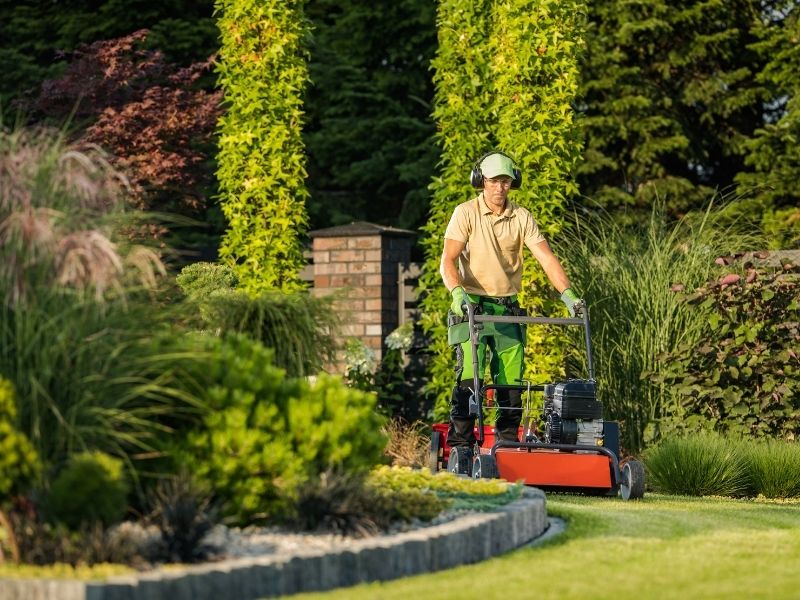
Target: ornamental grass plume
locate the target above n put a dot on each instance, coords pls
(78, 334)
(59, 211)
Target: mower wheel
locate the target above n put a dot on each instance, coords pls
(632, 485)
(484, 466)
(460, 460)
(434, 458)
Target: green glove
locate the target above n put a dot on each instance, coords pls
(573, 303)
(459, 299)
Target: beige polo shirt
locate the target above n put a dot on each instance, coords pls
(491, 263)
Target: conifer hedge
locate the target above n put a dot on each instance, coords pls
(263, 72)
(505, 76)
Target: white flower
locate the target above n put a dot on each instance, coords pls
(359, 358)
(401, 338)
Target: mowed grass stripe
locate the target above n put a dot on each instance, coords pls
(661, 547)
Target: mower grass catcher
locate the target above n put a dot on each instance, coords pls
(579, 451)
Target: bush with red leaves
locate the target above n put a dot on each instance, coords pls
(156, 120)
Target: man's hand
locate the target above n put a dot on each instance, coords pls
(459, 299)
(574, 304)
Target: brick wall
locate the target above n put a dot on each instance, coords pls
(360, 262)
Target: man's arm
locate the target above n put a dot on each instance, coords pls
(551, 265)
(447, 268)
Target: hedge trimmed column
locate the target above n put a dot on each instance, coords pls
(505, 76)
(263, 72)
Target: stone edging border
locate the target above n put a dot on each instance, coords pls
(468, 539)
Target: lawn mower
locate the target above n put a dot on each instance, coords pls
(578, 451)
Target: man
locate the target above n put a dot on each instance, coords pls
(482, 264)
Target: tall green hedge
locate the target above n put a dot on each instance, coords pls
(263, 72)
(505, 76)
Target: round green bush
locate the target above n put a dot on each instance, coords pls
(702, 464)
(775, 468)
(19, 463)
(91, 488)
(263, 435)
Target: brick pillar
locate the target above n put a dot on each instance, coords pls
(361, 261)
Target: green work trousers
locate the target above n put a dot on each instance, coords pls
(502, 345)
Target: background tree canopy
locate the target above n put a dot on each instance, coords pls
(679, 100)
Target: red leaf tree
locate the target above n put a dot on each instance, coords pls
(156, 119)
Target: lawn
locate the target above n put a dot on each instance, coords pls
(660, 547)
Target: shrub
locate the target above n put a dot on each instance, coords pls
(700, 465)
(91, 488)
(457, 492)
(78, 314)
(741, 374)
(262, 435)
(184, 514)
(152, 115)
(19, 464)
(339, 502)
(203, 279)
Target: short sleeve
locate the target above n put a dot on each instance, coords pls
(532, 234)
(458, 228)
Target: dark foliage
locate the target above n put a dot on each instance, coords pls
(35, 33)
(183, 513)
(669, 93)
(369, 133)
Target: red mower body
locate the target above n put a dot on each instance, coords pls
(554, 469)
(539, 467)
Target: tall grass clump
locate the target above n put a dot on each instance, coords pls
(298, 326)
(775, 468)
(701, 465)
(77, 315)
(629, 276)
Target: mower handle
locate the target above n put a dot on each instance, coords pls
(474, 325)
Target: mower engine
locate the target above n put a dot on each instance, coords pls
(572, 413)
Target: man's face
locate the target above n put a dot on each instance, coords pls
(495, 190)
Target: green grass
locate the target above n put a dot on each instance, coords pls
(660, 547)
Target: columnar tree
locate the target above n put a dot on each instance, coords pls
(505, 75)
(263, 72)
